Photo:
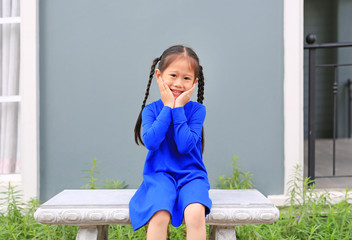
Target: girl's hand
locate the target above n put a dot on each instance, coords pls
(166, 95)
(184, 97)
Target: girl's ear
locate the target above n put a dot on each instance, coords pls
(195, 81)
(157, 73)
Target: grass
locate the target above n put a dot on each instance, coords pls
(309, 215)
(313, 220)
(17, 221)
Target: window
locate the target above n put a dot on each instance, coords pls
(18, 95)
(9, 87)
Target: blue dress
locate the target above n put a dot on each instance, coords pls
(174, 174)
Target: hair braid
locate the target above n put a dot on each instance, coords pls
(200, 95)
(137, 128)
(151, 75)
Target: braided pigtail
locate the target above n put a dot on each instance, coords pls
(200, 95)
(137, 128)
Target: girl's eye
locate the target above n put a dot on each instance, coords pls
(173, 75)
(187, 78)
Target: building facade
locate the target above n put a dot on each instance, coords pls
(89, 68)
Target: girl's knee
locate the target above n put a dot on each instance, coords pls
(161, 218)
(195, 215)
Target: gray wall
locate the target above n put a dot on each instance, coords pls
(95, 58)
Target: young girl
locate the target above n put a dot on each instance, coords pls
(175, 184)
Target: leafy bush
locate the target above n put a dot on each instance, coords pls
(17, 222)
(238, 179)
(92, 179)
(310, 215)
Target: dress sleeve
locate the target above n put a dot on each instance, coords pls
(187, 132)
(155, 127)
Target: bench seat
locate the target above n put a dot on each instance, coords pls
(94, 210)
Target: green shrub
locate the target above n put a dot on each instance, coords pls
(238, 179)
(92, 179)
(17, 221)
(309, 215)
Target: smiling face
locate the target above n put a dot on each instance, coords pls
(179, 76)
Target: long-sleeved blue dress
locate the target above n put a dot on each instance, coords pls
(174, 174)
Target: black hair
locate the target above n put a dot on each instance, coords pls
(168, 56)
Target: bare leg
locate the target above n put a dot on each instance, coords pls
(158, 224)
(195, 221)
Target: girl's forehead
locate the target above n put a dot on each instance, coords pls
(182, 63)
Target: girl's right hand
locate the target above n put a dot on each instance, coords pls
(166, 95)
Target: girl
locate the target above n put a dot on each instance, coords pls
(175, 182)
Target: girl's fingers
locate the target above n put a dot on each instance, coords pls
(167, 89)
(186, 96)
(191, 90)
(161, 84)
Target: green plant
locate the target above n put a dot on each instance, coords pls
(12, 200)
(17, 221)
(126, 232)
(113, 184)
(310, 214)
(238, 179)
(92, 179)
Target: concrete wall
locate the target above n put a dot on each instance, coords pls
(95, 58)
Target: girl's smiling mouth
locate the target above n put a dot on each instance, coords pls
(176, 93)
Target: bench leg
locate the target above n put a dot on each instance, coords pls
(93, 232)
(222, 233)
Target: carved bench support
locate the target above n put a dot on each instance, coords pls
(222, 233)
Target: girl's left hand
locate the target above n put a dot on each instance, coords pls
(184, 97)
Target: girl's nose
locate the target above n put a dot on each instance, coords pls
(177, 82)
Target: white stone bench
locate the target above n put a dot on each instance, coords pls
(94, 210)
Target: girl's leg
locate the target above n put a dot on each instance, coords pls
(158, 224)
(195, 221)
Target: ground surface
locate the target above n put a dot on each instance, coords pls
(324, 162)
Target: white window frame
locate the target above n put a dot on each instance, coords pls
(29, 89)
(28, 179)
